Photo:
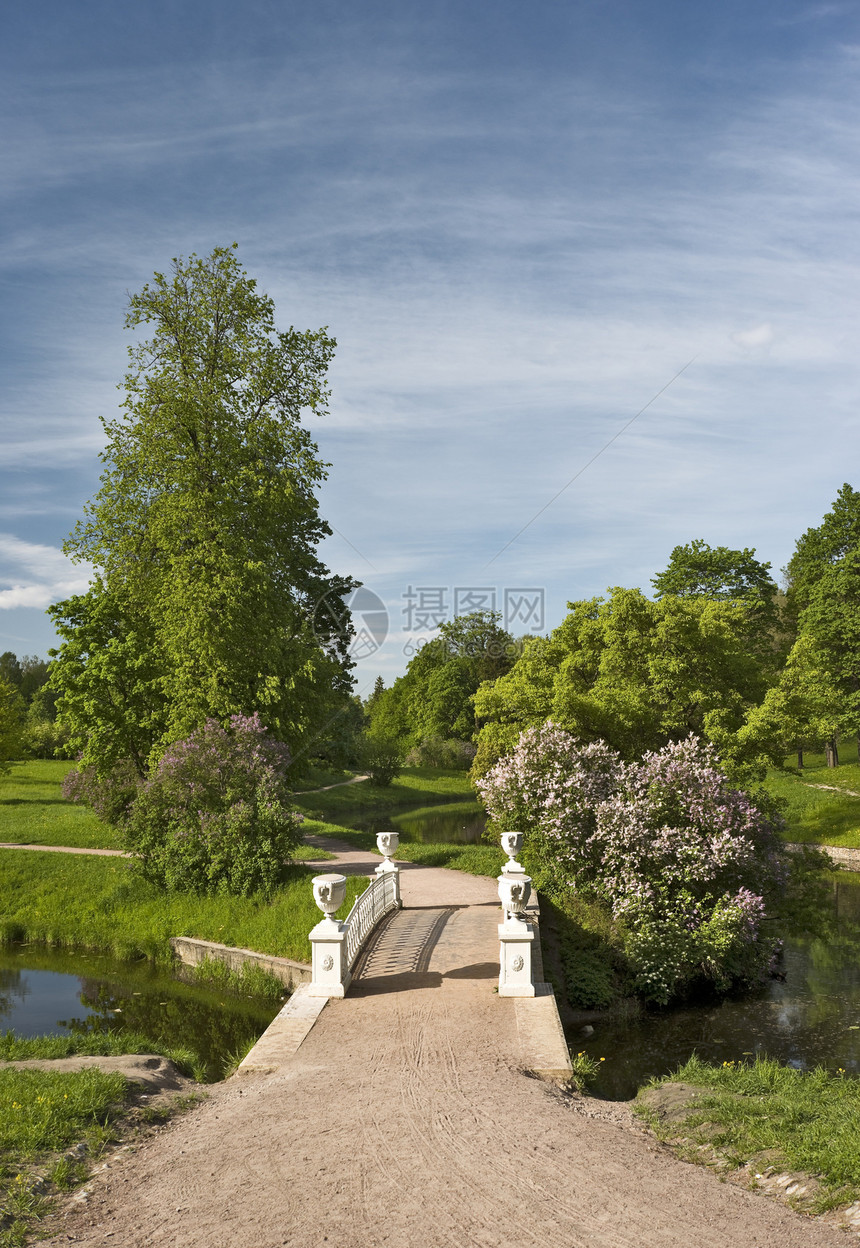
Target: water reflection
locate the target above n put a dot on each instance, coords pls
(460, 823)
(811, 1018)
(12, 987)
(56, 993)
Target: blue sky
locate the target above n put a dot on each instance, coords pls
(519, 222)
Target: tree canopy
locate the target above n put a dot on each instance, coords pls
(698, 569)
(204, 530)
(11, 723)
(632, 672)
(824, 545)
(434, 697)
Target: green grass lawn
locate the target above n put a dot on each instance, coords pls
(815, 769)
(41, 1114)
(801, 1120)
(422, 790)
(98, 903)
(33, 810)
(816, 815)
(480, 859)
(415, 786)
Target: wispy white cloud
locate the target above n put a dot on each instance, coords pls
(32, 575)
(512, 264)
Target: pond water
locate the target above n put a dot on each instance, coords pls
(810, 1018)
(461, 823)
(43, 992)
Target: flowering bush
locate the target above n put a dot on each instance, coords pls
(213, 816)
(550, 789)
(109, 795)
(686, 865)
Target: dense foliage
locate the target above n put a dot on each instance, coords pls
(204, 532)
(816, 697)
(213, 816)
(634, 673)
(32, 730)
(687, 866)
(381, 757)
(11, 723)
(433, 701)
(698, 570)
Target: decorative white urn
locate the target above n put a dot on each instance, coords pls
(386, 843)
(329, 892)
(512, 843)
(514, 893)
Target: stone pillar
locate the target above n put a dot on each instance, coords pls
(516, 936)
(515, 958)
(331, 978)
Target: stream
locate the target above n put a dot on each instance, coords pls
(810, 1018)
(46, 992)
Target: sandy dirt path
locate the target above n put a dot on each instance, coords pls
(404, 1120)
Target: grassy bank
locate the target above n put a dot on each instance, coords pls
(43, 1113)
(817, 816)
(415, 786)
(33, 810)
(98, 903)
(774, 1116)
(54, 1124)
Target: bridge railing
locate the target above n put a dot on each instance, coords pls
(378, 898)
(335, 945)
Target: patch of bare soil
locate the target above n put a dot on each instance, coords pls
(398, 1123)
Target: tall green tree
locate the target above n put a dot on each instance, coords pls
(632, 672)
(204, 531)
(821, 585)
(700, 570)
(831, 619)
(802, 710)
(821, 547)
(434, 698)
(11, 723)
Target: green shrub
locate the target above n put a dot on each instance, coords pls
(214, 815)
(434, 751)
(381, 758)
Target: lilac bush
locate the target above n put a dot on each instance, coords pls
(687, 866)
(214, 815)
(550, 788)
(110, 795)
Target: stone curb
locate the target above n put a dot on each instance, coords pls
(192, 952)
(284, 1034)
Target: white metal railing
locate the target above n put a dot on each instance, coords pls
(377, 899)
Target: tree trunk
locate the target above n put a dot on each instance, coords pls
(831, 752)
(800, 759)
